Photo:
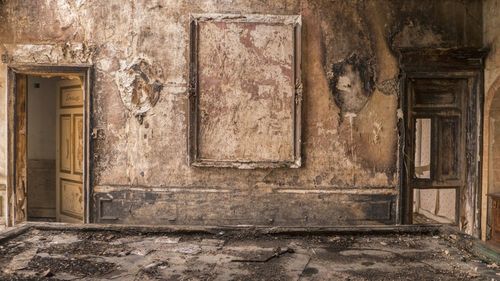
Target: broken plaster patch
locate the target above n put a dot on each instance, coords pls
(389, 87)
(68, 53)
(417, 34)
(352, 83)
(140, 85)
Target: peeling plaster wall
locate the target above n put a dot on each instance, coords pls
(140, 50)
(491, 139)
(492, 40)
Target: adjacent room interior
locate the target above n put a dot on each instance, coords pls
(54, 150)
(430, 205)
(438, 160)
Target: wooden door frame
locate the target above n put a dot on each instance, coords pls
(467, 63)
(13, 71)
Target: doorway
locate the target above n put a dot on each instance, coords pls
(441, 130)
(54, 148)
(436, 125)
(48, 147)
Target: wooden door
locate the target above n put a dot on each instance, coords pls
(436, 127)
(69, 161)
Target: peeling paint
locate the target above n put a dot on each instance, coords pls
(141, 55)
(76, 53)
(352, 83)
(389, 87)
(140, 85)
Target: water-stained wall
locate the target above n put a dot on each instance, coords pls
(140, 50)
(491, 147)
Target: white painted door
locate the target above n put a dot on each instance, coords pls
(69, 160)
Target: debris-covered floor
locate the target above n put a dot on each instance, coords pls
(108, 255)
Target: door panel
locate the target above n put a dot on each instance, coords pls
(437, 93)
(71, 97)
(449, 149)
(71, 199)
(78, 143)
(65, 143)
(70, 149)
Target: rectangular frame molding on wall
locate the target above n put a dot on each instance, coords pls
(194, 157)
(14, 70)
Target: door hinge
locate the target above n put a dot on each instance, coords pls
(97, 133)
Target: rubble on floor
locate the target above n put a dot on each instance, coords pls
(109, 255)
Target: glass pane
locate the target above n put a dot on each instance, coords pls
(423, 148)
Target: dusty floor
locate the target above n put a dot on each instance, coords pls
(106, 255)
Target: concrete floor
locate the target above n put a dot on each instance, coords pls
(107, 255)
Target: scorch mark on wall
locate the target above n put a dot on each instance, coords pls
(352, 83)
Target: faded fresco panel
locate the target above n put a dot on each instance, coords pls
(246, 91)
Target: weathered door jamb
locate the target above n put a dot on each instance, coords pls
(13, 70)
